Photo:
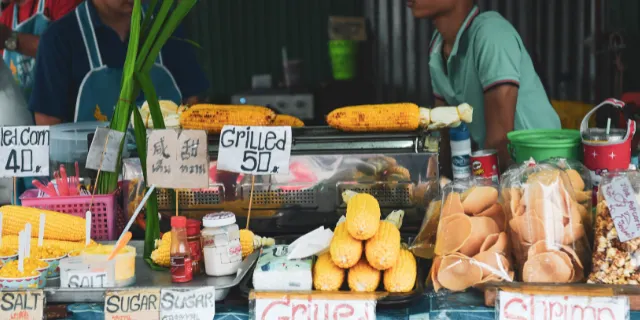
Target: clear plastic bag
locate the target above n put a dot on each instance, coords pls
(545, 224)
(614, 262)
(472, 246)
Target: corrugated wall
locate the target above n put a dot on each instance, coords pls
(555, 33)
(240, 38)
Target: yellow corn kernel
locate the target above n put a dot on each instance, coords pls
(376, 118)
(212, 117)
(11, 242)
(401, 277)
(326, 275)
(287, 120)
(383, 248)
(58, 226)
(162, 255)
(363, 278)
(344, 249)
(363, 214)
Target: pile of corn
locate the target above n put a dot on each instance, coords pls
(366, 247)
(212, 117)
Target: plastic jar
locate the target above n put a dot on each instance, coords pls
(221, 244)
(195, 245)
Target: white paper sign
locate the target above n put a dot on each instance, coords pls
(27, 305)
(514, 306)
(24, 151)
(177, 159)
(192, 304)
(87, 279)
(311, 308)
(624, 208)
(132, 304)
(255, 150)
(110, 158)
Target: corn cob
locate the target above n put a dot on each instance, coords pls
(287, 120)
(363, 278)
(401, 173)
(345, 250)
(212, 117)
(161, 255)
(11, 241)
(250, 242)
(58, 226)
(383, 248)
(401, 277)
(397, 117)
(363, 214)
(326, 275)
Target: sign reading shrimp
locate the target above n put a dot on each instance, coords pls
(271, 305)
(516, 306)
(255, 150)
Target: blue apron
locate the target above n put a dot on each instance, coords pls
(100, 88)
(22, 66)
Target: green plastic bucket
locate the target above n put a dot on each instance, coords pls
(343, 55)
(542, 144)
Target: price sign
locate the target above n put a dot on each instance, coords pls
(192, 304)
(104, 150)
(24, 151)
(25, 305)
(255, 150)
(624, 208)
(314, 306)
(132, 304)
(177, 159)
(518, 306)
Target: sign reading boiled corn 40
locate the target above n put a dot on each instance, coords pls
(255, 150)
(24, 151)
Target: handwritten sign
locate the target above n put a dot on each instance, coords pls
(24, 151)
(192, 304)
(132, 304)
(624, 208)
(255, 150)
(177, 159)
(109, 160)
(533, 307)
(299, 308)
(25, 305)
(87, 280)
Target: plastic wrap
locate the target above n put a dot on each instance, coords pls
(614, 261)
(545, 224)
(133, 185)
(472, 246)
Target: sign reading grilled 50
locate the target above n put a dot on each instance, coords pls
(255, 150)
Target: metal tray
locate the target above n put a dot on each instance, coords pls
(390, 300)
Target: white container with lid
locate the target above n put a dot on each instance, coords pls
(221, 244)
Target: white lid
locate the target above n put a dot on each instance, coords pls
(219, 219)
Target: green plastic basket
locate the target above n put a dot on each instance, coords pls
(542, 144)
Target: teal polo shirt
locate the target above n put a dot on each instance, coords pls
(489, 52)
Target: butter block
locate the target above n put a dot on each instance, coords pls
(274, 272)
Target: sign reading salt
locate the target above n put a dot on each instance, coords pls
(25, 305)
(255, 150)
(24, 151)
(195, 304)
(517, 306)
(623, 206)
(177, 159)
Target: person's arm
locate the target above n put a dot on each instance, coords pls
(498, 56)
(50, 100)
(182, 63)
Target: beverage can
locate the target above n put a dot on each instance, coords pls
(484, 164)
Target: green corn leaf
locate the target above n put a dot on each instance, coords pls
(144, 80)
(189, 41)
(158, 23)
(146, 22)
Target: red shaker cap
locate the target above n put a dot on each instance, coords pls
(178, 222)
(193, 227)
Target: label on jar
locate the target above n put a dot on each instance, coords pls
(235, 251)
(181, 269)
(461, 166)
(196, 255)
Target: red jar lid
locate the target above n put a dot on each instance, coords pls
(193, 227)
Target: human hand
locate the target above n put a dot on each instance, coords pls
(5, 33)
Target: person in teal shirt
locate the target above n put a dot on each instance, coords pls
(480, 59)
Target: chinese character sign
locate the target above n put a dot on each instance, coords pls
(177, 159)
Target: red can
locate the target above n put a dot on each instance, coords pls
(484, 164)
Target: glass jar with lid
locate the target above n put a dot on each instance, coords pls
(221, 244)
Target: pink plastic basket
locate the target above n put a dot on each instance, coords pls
(104, 219)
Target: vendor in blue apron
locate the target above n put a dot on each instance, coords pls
(80, 61)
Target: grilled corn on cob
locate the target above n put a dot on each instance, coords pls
(326, 275)
(58, 226)
(161, 255)
(212, 117)
(397, 117)
(249, 242)
(363, 214)
(383, 248)
(287, 120)
(363, 278)
(401, 277)
(344, 249)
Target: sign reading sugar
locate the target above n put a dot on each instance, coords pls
(255, 150)
(24, 151)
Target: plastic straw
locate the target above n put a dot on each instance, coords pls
(27, 252)
(608, 125)
(135, 213)
(21, 251)
(43, 217)
(87, 228)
